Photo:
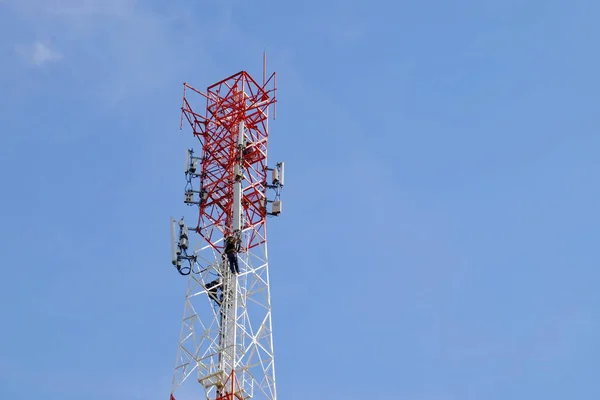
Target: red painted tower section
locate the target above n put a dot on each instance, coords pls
(229, 102)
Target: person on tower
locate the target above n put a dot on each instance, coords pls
(232, 244)
(211, 289)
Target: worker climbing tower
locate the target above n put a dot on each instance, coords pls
(226, 347)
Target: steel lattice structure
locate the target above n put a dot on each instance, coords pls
(226, 348)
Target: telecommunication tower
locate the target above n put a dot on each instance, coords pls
(226, 347)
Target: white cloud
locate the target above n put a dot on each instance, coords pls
(38, 53)
(42, 54)
(116, 48)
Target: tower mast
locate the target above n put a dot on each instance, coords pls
(226, 348)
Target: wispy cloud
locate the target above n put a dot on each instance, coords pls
(114, 47)
(37, 53)
(42, 54)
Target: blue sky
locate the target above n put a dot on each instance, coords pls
(440, 231)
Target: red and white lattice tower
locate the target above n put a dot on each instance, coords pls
(226, 346)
